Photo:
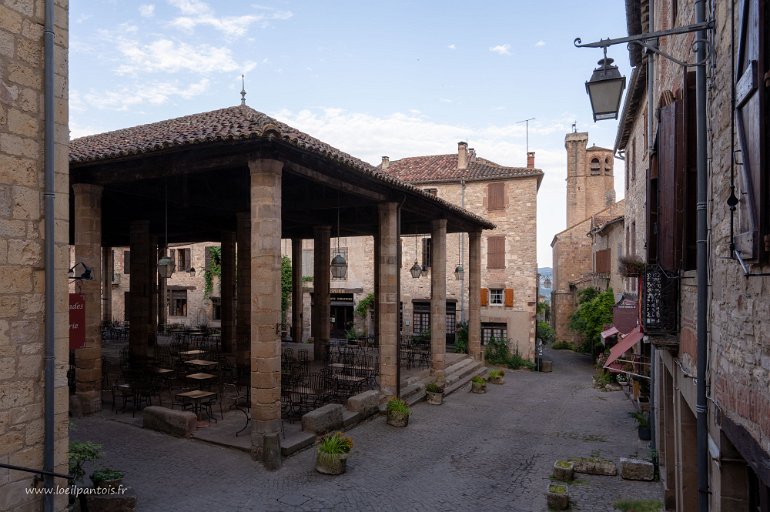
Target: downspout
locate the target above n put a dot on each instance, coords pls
(650, 150)
(462, 255)
(398, 298)
(50, 257)
(702, 262)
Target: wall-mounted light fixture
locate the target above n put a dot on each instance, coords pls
(85, 275)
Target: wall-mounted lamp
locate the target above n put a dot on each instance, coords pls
(191, 271)
(605, 88)
(85, 275)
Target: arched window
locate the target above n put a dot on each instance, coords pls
(595, 169)
(608, 166)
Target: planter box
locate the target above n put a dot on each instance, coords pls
(564, 470)
(434, 398)
(477, 387)
(557, 497)
(398, 420)
(332, 464)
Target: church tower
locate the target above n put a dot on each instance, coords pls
(590, 178)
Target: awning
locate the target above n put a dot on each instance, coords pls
(631, 339)
(609, 332)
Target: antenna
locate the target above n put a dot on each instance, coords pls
(574, 127)
(243, 90)
(527, 129)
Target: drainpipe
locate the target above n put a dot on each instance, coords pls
(50, 259)
(650, 151)
(702, 262)
(462, 255)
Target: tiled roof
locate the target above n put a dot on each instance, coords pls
(442, 168)
(228, 124)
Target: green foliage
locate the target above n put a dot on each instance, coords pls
(79, 454)
(307, 279)
(602, 378)
(638, 505)
(398, 406)
(351, 334)
(545, 332)
(213, 269)
(557, 488)
(496, 373)
(543, 310)
(434, 388)
(106, 475)
(364, 305)
(593, 313)
(461, 338)
(642, 420)
(563, 345)
(478, 379)
(497, 352)
(335, 443)
(285, 283)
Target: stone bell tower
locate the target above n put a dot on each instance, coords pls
(590, 178)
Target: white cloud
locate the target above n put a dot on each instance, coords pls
(501, 49)
(169, 56)
(540, 43)
(452, 46)
(147, 10)
(154, 93)
(196, 13)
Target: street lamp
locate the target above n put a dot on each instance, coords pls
(605, 88)
(459, 271)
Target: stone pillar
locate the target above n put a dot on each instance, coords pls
(140, 290)
(376, 288)
(108, 268)
(266, 310)
(387, 293)
(243, 325)
(152, 265)
(162, 305)
(474, 295)
(88, 250)
(438, 299)
(296, 290)
(320, 325)
(227, 284)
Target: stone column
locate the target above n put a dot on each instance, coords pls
(474, 295)
(438, 299)
(162, 305)
(266, 311)
(152, 265)
(320, 325)
(387, 293)
(376, 287)
(140, 290)
(296, 290)
(88, 250)
(243, 325)
(108, 268)
(227, 298)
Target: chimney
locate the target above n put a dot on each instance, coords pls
(472, 153)
(385, 162)
(462, 155)
(530, 159)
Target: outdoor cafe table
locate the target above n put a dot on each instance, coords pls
(193, 352)
(201, 363)
(195, 397)
(201, 378)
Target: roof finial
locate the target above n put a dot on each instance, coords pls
(243, 90)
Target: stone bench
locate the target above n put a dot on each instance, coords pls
(169, 421)
(324, 419)
(367, 403)
(636, 469)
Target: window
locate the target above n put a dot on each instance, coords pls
(595, 166)
(496, 296)
(632, 155)
(216, 308)
(495, 252)
(420, 317)
(183, 260)
(426, 252)
(177, 305)
(497, 331)
(344, 252)
(126, 262)
(212, 252)
(608, 166)
(431, 191)
(602, 265)
(496, 196)
(307, 262)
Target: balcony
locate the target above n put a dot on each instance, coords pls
(660, 301)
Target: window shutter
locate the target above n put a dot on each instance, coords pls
(426, 252)
(485, 296)
(749, 124)
(603, 261)
(509, 297)
(126, 262)
(496, 196)
(669, 186)
(496, 252)
(187, 260)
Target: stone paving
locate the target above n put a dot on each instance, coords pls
(493, 451)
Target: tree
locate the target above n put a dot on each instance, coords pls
(593, 313)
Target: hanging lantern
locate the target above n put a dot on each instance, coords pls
(459, 272)
(166, 267)
(416, 270)
(339, 267)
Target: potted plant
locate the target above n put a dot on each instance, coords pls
(398, 412)
(81, 452)
(107, 478)
(630, 266)
(332, 453)
(479, 384)
(557, 496)
(434, 393)
(496, 376)
(643, 424)
(564, 470)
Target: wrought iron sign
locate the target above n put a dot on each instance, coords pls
(660, 305)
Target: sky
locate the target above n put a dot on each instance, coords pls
(380, 78)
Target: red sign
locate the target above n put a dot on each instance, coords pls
(77, 320)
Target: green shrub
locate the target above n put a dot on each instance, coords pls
(364, 305)
(638, 505)
(593, 313)
(434, 388)
(461, 338)
(79, 454)
(478, 379)
(545, 332)
(563, 345)
(396, 405)
(497, 352)
(496, 373)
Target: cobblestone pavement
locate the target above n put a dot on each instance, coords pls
(476, 452)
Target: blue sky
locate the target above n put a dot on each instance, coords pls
(372, 78)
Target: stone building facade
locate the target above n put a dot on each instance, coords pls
(659, 206)
(23, 264)
(590, 200)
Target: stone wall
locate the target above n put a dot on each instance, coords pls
(22, 261)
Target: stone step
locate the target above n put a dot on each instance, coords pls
(351, 418)
(296, 441)
(460, 377)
